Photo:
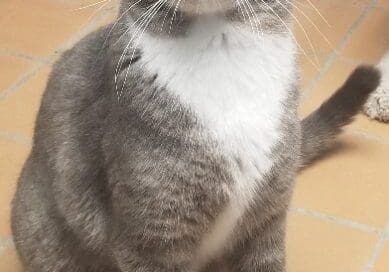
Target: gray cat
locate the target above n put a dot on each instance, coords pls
(170, 141)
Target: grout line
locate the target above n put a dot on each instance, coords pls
(378, 248)
(6, 243)
(354, 61)
(84, 30)
(16, 137)
(336, 52)
(337, 220)
(42, 62)
(357, 60)
(368, 135)
(18, 54)
(23, 79)
(383, 7)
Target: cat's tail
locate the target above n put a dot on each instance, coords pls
(320, 127)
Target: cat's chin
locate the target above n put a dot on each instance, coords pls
(203, 7)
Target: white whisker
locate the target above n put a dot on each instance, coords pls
(304, 31)
(319, 13)
(118, 20)
(256, 31)
(311, 22)
(248, 15)
(156, 7)
(96, 12)
(118, 66)
(171, 5)
(92, 5)
(174, 15)
(291, 33)
(142, 20)
(128, 29)
(256, 20)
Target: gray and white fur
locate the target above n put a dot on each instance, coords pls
(170, 142)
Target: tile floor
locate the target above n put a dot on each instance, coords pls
(339, 219)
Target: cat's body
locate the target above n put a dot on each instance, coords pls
(183, 161)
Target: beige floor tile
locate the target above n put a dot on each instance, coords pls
(383, 3)
(103, 14)
(12, 157)
(327, 85)
(84, 4)
(9, 261)
(18, 110)
(334, 78)
(109, 7)
(371, 40)
(373, 127)
(309, 69)
(351, 182)
(110, 17)
(39, 28)
(317, 30)
(382, 264)
(314, 245)
(11, 68)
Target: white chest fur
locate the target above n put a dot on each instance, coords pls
(235, 82)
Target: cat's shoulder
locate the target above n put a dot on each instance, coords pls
(80, 71)
(77, 84)
(86, 56)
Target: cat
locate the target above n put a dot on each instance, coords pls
(170, 141)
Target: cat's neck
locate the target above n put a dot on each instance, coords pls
(223, 71)
(204, 34)
(213, 44)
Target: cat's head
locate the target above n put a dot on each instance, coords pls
(174, 15)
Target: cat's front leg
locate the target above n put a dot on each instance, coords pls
(140, 261)
(146, 245)
(139, 255)
(157, 230)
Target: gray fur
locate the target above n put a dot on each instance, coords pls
(133, 184)
(322, 126)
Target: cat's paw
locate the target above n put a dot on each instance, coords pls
(377, 106)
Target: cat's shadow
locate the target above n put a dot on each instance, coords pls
(338, 147)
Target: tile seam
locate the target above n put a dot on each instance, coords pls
(368, 135)
(377, 250)
(25, 77)
(6, 243)
(87, 28)
(15, 137)
(333, 56)
(18, 54)
(337, 220)
(42, 62)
